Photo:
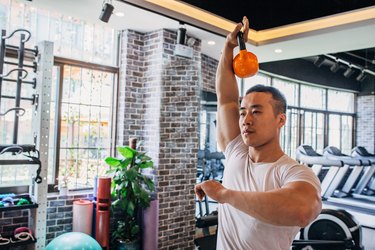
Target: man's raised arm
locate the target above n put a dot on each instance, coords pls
(227, 90)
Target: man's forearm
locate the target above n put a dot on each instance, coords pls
(226, 84)
(282, 207)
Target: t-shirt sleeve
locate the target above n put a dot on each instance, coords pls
(300, 172)
(235, 146)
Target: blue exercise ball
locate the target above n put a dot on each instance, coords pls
(73, 241)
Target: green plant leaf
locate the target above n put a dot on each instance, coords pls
(144, 198)
(136, 188)
(144, 157)
(147, 164)
(130, 208)
(149, 183)
(126, 162)
(112, 161)
(115, 203)
(131, 174)
(127, 152)
(135, 230)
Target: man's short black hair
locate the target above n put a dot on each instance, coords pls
(280, 102)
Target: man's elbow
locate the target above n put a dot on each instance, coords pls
(309, 213)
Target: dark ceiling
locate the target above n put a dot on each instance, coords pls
(266, 14)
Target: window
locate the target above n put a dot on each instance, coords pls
(81, 109)
(289, 133)
(312, 112)
(340, 101)
(254, 80)
(290, 91)
(72, 37)
(84, 123)
(341, 132)
(313, 97)
(313, 130)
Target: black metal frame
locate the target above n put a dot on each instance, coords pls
(20, 69)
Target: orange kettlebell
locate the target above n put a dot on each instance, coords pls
(245, 64)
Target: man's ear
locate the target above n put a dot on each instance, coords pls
(282, 120)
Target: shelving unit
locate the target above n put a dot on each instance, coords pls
(38, 153)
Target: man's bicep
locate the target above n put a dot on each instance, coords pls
(303, 189)
(227, 124)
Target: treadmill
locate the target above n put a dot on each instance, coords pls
(362, 210)
(358, 179)
(362, 153)
(336, 169)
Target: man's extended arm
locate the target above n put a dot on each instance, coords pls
(227, 90)
(295, 204)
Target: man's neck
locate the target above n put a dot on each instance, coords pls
(266, 153)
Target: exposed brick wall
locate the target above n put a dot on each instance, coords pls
(162, 91)
(60, 214)
(179, 128)
(10, 220)
(130, 91)
(366, 121)
(209, 66)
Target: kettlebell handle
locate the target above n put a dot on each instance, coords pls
(240, 40)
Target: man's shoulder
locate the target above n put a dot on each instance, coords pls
(287, 163)
(235, 145)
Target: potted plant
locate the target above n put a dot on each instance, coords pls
(63, 182)
(131, 191)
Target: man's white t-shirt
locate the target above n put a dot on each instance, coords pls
(238, 230)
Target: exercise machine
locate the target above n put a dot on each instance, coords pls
(361, 173)
(334, 170)
(363, 154)
(331, 230)
(363, 210)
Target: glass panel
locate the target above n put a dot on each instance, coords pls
(340, 101)
(85, 124)
(203, 130)
(289, 133)
(334, 131)
(312, 97)
(290, 90)
(346, 134)
(313, 130)
(72, 37)
(254, 80)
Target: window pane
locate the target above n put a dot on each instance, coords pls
(340, 101)
(72, 37)
(346, 134)
(313, 130)
(85, 124)
(312, 97)
(254, 80)
(289, 133)
(334, 131)
(290, 90)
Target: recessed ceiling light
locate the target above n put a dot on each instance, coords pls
(211, 42)
(278, 51)
(120, 14)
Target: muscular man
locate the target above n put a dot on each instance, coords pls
(266, 196)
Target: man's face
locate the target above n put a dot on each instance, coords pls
(258, 122)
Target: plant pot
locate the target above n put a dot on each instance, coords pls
(63, 191)
(125, 245)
